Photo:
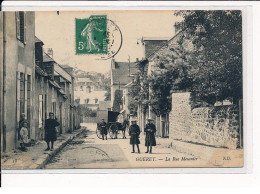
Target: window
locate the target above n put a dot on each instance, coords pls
(96, 100)
(21, 26)
(22, 93)
(53, 108)
(88, 89)
(87, 101)
(40, 111)
(29, 100)
(81, 88)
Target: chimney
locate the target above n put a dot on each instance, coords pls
(113, 63)
(50, 52)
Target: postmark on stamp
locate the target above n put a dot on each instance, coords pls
(98, 35)
(91, 35)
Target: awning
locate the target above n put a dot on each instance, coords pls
(54, 84)
(40, 71)
(62, 91)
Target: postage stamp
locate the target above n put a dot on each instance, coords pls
(91, 35)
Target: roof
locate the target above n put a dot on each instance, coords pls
(162, 46)
(83, 79)
(47, 58)
(54, 84)
(152, 44)
(40, 71)
(36, 40)
(155, 38)
(65, 66)
(120, 74)
(104, 105)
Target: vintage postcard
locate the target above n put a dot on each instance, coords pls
(121, 89)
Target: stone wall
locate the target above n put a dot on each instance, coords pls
(214, 126)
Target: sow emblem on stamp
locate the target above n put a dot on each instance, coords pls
(91, 35)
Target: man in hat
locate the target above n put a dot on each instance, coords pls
(134, 132)
(150, 130)
(50, 131)
(103, 126)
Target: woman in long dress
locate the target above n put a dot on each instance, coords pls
(134, 132)
(150, 130)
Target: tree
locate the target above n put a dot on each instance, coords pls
(139, 92)
(216, 64)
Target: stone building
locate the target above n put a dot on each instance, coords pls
(54, 92)
(18, 78)
(122, 73)
(151, 46)
(32, 83)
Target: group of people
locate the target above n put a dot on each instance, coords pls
(50, 132)
(134, 132)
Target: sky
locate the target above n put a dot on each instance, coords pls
(58, 32)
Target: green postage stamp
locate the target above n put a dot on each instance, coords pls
(91, 35)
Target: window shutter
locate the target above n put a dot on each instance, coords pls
(24, 15)
(17, 17)
(21, 17)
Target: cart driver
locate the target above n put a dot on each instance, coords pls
(103, 127)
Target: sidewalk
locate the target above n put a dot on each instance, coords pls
(36, 157)
(212, 156)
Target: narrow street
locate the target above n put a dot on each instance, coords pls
(87, 151)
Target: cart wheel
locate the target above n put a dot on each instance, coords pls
(113, 130)
(99, 134)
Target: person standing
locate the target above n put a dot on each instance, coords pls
(24, 136)
(134, 132)
(150, 130)
(125, 126)
(103, 126)
(22, 120)
(50, 131)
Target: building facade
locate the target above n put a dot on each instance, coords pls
(122, 73)
(17, 40)
(32, 83)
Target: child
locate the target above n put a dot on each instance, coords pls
(24, 136)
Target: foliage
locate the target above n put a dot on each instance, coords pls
(87, 112)
(117, 100)
(216, 64)
(139, 92)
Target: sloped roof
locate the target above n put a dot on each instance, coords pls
(40, 71)
(121, 72)
(55, 84)
(104, 105)
(36, 40)
(47, 58)
(153, 44)
(163, 46)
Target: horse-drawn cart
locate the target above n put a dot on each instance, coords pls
(113, 126)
